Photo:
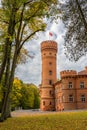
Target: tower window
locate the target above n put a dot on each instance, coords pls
(50, 63)
(50, 82)
(70, 98)
(83, 98)
(44, 103)
(50, 72)
(50, 53)
(51, 93)
(70, 85)
(81, 84)
(50, 103)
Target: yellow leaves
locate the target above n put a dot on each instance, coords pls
(16, 80)
(9, 37)
(2, 26)
(17, 84)
(16, 93)
(4, 15)
(46, 121)
(36, 24)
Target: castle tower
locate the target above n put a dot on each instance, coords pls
(48, 51)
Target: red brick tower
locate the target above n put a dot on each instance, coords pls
(49, 51)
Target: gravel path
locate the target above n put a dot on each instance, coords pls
(21, 113)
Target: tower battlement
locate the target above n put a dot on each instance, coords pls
(49, 45)
(67, 73)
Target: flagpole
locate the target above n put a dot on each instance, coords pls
(50, 35)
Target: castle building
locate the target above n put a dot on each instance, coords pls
(68, 93)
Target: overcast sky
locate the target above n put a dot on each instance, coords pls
(31, 71)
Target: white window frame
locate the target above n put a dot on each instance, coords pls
(71, 99)
(81, 85)
(70, 85)
(83, 98)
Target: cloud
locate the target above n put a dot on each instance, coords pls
(31, 71)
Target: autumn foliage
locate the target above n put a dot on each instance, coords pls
(23, 96)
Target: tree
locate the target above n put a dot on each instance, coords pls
(36, 99)
(25, 96)
(30, 97)
(1, 96)
(8, 18)
(16, 95)
(22, 20)
(75, 20)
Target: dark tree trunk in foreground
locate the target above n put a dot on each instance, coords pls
(5, 67)
(6, 104)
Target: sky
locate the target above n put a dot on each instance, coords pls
(30, 72)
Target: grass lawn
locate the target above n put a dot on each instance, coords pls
(54, 121)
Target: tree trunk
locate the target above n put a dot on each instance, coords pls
(8, 42)
(5, 86)
(6, 108)
(6, 64)
(4, 61)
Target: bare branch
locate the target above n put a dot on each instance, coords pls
(81, 12)
(28, 38)
(26, 3)
(22, 32)
(21, 18)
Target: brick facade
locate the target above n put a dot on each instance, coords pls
(66, 94)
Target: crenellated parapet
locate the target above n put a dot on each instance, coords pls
(68, 73)
(47, 45)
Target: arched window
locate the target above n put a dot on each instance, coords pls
(50, 103)
(50, 63)
(50, 92)
(44, 103)
(50, 72)
(50, 82)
